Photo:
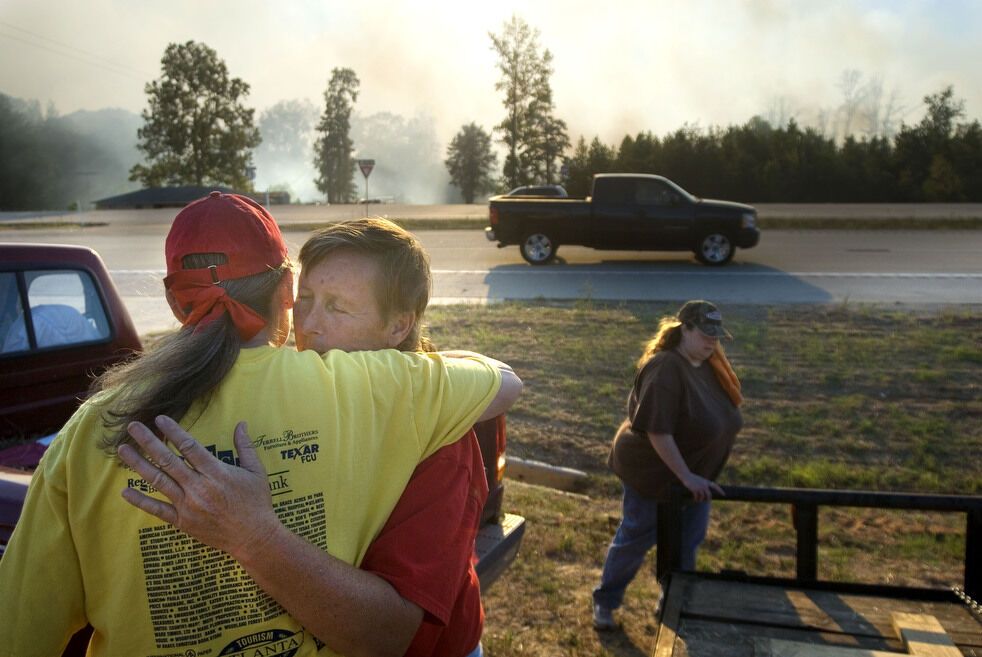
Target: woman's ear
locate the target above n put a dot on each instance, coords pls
(286, 291)
(399, 327)
(282, 318)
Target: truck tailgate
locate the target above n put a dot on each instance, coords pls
(496, 547)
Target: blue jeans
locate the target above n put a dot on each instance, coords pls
(638, 533)
(477, 652)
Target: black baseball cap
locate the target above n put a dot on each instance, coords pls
(705, 317)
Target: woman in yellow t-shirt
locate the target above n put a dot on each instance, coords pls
(335, 438)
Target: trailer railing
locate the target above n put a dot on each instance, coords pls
(805, 504)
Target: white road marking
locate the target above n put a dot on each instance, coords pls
(728, 273)
(649, 272)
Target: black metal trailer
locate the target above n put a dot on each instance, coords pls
(733, 614)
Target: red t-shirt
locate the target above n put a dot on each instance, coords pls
(426, 549)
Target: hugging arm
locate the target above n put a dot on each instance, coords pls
(511, 385)
(352, 611)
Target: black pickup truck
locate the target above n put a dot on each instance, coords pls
(632, 212)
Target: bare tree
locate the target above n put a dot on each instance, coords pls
(893, 111)
(852, 98)
(879, 112)
(823, 121)
(782, 109)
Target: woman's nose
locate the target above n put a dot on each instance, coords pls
(309, 322)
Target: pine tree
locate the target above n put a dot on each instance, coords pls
(333, 153)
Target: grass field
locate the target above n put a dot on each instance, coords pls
(836, 397)
(853, 397)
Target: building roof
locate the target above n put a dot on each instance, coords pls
(178, 197)
(159, 197)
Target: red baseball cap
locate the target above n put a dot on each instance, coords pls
(233, 225)
(236, 227)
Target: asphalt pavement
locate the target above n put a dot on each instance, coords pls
(301, 214)
(923, 269)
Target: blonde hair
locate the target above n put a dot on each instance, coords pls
(668, 336)
(405, 280)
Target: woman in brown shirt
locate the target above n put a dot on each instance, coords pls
(683, 417)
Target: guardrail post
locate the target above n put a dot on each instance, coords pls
(668, 557)
(805, 518)
(973, 555)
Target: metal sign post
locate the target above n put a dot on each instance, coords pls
(366, 167)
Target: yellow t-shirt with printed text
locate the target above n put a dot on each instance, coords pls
(339, 435)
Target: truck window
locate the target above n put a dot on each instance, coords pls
(618, 191)
(655, 192)
(64, 308)
(10, 306)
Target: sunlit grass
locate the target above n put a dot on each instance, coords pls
(844, 396)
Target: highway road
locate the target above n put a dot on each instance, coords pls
(915, 268)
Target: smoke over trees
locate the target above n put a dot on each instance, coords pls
(407, 157)
(283, 159)
(53, 162)
(196, 129)
(855, 150)
(866, 109)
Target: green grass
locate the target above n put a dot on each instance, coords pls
(847, 397)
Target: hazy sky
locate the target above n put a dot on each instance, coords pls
(620, 66)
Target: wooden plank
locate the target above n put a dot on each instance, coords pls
(696, 629)
(775, 605)
(769, 647)
(824, 611)
(923, 635)
(708, 638)
(671, 616)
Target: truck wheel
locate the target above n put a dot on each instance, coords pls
(715, 249)
(538, 248)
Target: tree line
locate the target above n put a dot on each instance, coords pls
(938, 159)
(198, 130)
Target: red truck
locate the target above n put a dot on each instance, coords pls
(62, 321)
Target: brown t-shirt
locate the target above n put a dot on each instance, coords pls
(671, 396)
